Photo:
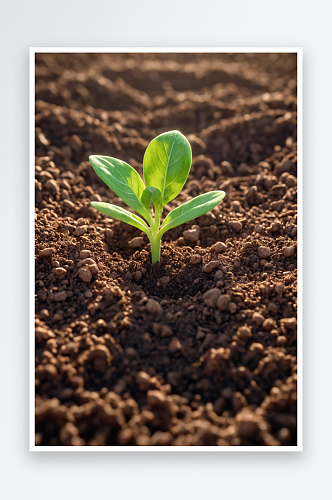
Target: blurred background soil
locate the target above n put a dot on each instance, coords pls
(201, 348)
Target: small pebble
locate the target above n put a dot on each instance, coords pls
(219, 247)
(155, 398)
(52, 186)
(137, 276)
(84, 254)
(86, 262)
(290, 181)
(264, 252)
(93, 268)
(47, 252)
(175, 346)
(69, 205)
(256, 347)
(236, 206)
(195, 259)
(211, 296)
(82, 222)
(109, 233)
(210, 266)
(258, 318)
(269, 324)
(45, 176)
(192, 234)
(232, 307)
(136, 242)
(85, 274)
(181, 241)
(44, 314)
(244, 332)
(80, 230)
(227, 168)
(288, 251)
(223, 302)
(251, 193)
(235, 225)
(59, 272)
(60, 296)
(290, 323)
(153, 307)
(43, 334)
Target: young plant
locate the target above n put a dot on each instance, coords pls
(166, 166)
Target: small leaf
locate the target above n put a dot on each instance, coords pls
(121, 214)
(123, 180)
(192, 209)
(151, 194)
(166, 164)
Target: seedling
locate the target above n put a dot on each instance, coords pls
(166, 166)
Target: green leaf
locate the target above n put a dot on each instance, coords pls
(151, 194)
(123, 180)
(166, 164)
(192, 209)
(122, 214)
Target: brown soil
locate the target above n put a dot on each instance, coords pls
(140, 354)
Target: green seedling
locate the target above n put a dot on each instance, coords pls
(166, 166)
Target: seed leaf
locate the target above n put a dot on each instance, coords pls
(121, 214)
(191, 209)
(166, 164)
(151, 194)
(123, 180)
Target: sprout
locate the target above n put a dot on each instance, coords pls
(166, 166)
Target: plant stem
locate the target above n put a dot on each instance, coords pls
(155, 248)
(155, 238)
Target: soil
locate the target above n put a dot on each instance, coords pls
(128, 353)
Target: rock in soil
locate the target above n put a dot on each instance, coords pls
(199, 349)
(136, 243)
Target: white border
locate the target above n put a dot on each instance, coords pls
(33, 51)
